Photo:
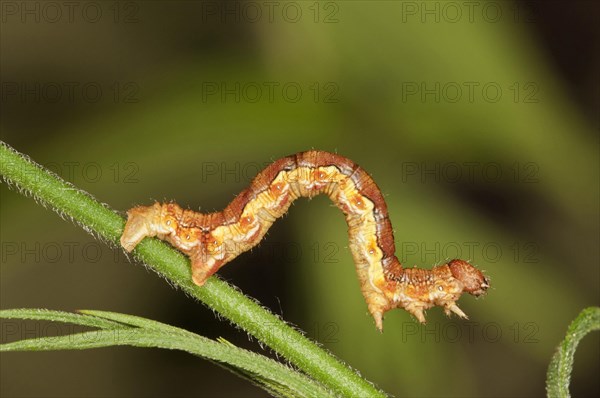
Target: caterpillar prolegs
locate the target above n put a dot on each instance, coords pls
(214, 239)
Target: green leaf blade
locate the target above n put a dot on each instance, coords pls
(266, 373)
(59, 316)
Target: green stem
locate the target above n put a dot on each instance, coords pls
(561, 366)
(106, 224)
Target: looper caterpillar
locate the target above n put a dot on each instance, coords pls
(212, 240)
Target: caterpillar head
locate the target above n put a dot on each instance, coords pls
(473, 280)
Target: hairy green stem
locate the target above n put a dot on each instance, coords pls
(561, 366)
(106, 224)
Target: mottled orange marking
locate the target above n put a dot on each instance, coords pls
(213, 246)
(246, 221)
(276, 188)
(359, 202)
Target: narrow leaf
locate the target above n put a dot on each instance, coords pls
(59, 316)
(274, 377)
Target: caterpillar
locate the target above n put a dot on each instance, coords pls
(212, 240)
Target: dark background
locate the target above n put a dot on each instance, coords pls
(156, 100)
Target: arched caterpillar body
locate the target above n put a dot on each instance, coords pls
(212, 240)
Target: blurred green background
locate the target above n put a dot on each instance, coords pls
(478, 120)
